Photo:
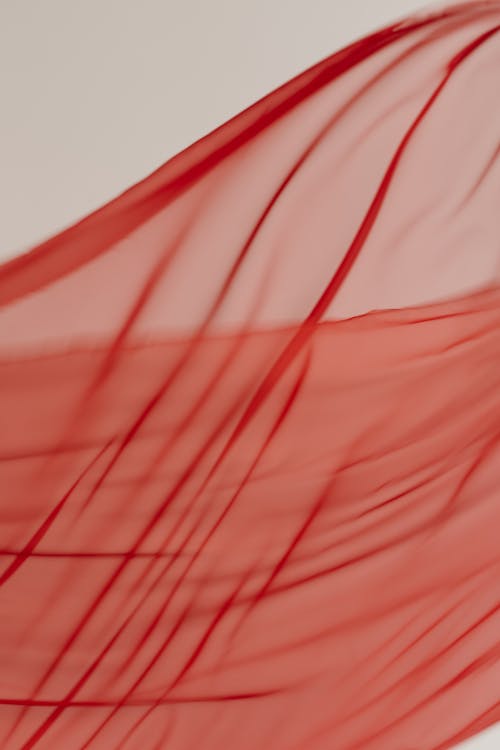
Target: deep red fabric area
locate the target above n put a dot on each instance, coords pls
(250, 454)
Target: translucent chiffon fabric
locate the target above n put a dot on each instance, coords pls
(250, 419)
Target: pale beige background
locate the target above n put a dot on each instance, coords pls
(97, 93)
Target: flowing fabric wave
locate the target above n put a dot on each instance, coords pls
(250, 454)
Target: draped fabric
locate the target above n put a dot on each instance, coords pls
(250, 419)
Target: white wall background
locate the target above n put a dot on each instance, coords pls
(97, 93)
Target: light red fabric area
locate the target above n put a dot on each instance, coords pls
(250, 455)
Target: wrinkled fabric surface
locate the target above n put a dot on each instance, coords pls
(250, 421)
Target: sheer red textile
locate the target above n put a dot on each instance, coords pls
(249, 456)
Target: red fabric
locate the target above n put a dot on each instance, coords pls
(249, 456)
